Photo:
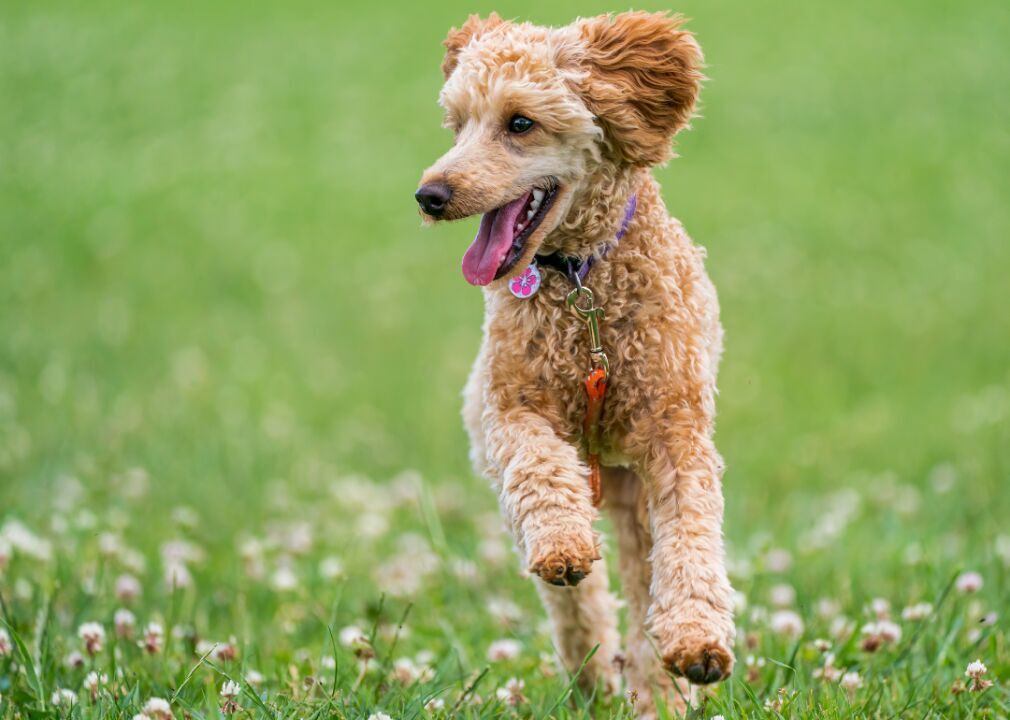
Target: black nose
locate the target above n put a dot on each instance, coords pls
(433, 198)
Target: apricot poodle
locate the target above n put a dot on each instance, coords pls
(556, 130)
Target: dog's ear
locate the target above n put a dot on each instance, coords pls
(460, 37)
(642, 81)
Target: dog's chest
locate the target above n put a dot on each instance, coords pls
(539, 353)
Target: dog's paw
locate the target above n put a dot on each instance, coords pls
(563, 557)
(699, 656)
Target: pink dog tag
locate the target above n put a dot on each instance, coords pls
(525, 284)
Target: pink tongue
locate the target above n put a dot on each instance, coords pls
(494, 238)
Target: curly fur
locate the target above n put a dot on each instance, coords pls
(608, 94)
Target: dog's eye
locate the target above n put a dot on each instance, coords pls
(519, 124)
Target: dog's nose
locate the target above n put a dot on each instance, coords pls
(433, 198)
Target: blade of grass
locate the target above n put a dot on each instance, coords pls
(26, 660)
(571, 683)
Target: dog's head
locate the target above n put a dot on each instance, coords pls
(536, 111)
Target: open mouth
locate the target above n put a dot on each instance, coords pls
(503, 234)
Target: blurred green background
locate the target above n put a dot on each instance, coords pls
(211, 265)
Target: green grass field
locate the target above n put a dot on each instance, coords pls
(229, 355)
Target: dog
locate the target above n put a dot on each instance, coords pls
(556, 132)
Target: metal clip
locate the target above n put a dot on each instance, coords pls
(592, 316)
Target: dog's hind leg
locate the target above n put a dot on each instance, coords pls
(583, 617)
(646, 677)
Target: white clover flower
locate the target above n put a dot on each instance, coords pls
(154, 638)
(786, 623)
(782, 595)
(739, 602)
(6, 646)
(400, 576)
(434, 705)
(778, 560)
(133, 560)
(882, 632)
(351, 635)
(912, 554)
(885, 630)
(1002, 546)
(253, 678)
(969, 582)
(404, 671)
(881, 607)
(124, 622)
(177, 576)
(889, 631)
(93, 682)
(828, 672)
(185, 516)
(20, 538)
(158, 709)
(512, 692)
(63, 697)
(128, 588)
(464, 569)
(504, 611)
(109, 544)
(297, 538)
(492, 551)
(828, 608)
(372, 525)
(6, 552)
(504, 649)
(92, 634)
(841, 628)
(379, 716)
(284, 578)
(225, 651)
(250, 548)
(851, 681)
(917, 612)
(331, 568)
(231, 690)
(976, 670)
(73, 660)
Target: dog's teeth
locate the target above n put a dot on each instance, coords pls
(530, 214)
(538, 195)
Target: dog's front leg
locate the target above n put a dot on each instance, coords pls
(545, 494)
(691, 615)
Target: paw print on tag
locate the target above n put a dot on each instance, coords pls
(526, 283)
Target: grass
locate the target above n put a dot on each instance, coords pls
(226, 346)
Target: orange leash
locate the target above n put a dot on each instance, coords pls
(596, 390)
(596, 382)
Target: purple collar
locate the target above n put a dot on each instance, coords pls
(576, 268)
